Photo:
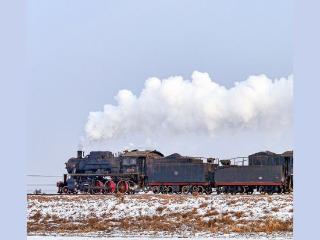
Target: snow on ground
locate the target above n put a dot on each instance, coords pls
(159, 215)
(231, 237)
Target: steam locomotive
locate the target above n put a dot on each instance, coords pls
(103, 172)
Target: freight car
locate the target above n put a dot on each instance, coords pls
(267, 172)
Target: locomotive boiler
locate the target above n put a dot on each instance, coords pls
(106, 172)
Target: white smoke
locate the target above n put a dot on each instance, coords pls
(200, 106)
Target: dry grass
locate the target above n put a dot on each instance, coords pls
(36, 217)
(171, 222)
(239, 214)
(120, 197)
(232, 202)
(203, 205)
(160, 209)
(211, 213)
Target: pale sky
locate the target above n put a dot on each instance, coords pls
(81, 53)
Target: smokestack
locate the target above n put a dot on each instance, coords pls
(80, 154)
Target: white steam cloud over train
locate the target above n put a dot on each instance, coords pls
(200, 105)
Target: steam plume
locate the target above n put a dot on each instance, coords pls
(179, 106)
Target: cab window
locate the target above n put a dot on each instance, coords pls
(128, 161)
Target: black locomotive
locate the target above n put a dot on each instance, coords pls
(103, 172)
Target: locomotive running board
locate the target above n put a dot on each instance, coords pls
(218, 184)
(179, 183)
(102, 174)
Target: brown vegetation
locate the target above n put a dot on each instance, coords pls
(203, 205)
(160, 209)
(172, 222)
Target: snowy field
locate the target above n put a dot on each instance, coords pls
(231, 237)
(141, 216)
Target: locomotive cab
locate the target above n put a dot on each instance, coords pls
(134, 162)
(132, 165)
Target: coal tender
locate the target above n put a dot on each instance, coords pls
(178, 174)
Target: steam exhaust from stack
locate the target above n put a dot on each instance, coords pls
(199, 105)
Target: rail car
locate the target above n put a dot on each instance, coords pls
(266, 172)
(103, 172)
(178, 174)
